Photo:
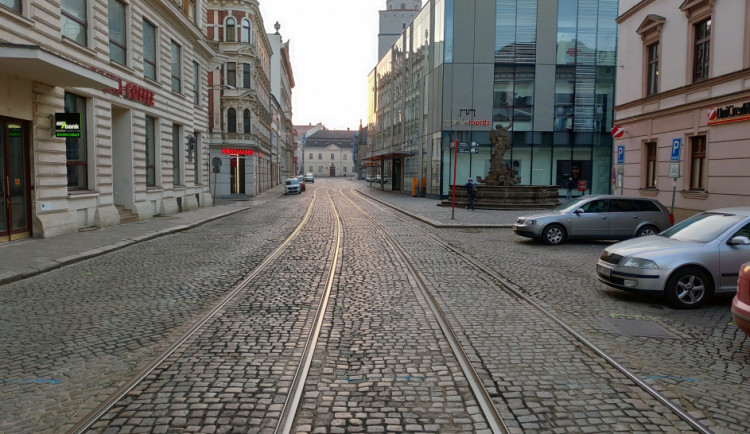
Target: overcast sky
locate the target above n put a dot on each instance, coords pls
(333, 46)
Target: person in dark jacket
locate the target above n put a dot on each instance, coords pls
(471, 192)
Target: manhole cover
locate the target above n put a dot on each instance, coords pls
(637, 327)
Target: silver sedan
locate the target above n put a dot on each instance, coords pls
(687, 263)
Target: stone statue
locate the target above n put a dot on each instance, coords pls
(499, 171)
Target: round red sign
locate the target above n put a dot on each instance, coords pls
(618, 131)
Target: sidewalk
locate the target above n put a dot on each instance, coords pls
(29, 257)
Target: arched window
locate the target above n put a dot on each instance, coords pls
(245, 36)
(246, 121)
(232, 120)
(231, 31)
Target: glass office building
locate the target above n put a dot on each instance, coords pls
(546, 68)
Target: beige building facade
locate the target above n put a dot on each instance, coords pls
(103, 113)
(683, 103)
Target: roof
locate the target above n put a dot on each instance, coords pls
(324, 138)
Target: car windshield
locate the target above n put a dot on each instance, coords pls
(571, 205)
(291, 181)
(702, 228)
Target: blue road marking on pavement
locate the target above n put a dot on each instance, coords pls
(30, 381)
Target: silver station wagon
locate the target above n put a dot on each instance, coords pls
(687, 263)
(596, 217)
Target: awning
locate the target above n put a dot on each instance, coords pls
(389, 156)
(31, 62)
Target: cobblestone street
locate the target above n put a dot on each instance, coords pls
(75, 335)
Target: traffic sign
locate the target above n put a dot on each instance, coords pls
(621, 154)
(618, 131)
(676, 147)
(674, 170)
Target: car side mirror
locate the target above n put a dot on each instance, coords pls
(740, 241)
(579, 211)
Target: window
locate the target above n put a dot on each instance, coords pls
(698, 163)
(232, 74)
(311, 157)
(320, 156)
(176, 67)
(73, 20)
(176, 175)
(149, 50)
(596, 206)
(231, 30)
(196, 160)
(75, 147)
(150, 151)
(651, 165)
(346, 157)
(246, 75)
(231, 120)
(246, 121)
(196, 83)
(320, 168)
(332, 156)
(344, 169)
(12, 4)
(702, 51)
(653, 69)
(311, 169)
(190, 10)
(117, 35)
(245, 36)
(623, 205)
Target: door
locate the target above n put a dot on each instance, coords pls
(15, 219)
(593, 222)
(332, 172)
(396, 175)
(624, 218)
(237, 174)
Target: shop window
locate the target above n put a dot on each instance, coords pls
(701, 50)
(14, 5)
(150, 151)
(76, 154)
(698, 163)
(231, 120)
(176, 60)
(246, 121)
(117, 33)
(176, 168)
(149, 50)
(650, 148)
(232, 74)
(74, 20)
(231, 30)
(245, 35)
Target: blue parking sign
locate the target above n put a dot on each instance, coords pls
(621, 154)
(676, 147)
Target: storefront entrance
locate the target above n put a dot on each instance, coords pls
(237, 174)
(15, 217)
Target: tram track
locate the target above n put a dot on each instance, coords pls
(504, 285)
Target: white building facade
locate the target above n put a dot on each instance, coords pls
(684, 69)
(393, 21)
(282, 83)
(330, 153)
(103, 113)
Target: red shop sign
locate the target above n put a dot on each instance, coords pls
(234, 151)
(130, 91)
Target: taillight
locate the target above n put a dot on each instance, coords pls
(671, 218)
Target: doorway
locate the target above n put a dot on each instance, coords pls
(332, 171)
(396, 175)
(237, 174)
(15, 218)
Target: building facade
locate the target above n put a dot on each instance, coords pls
(244, 162)
(543, 69)
(282, 82)
(393, 21)
(330, 153)
(685, 107)
(103, 113)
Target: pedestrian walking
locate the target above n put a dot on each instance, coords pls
(471, 191)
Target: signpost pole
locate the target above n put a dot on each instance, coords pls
(455, 165)
(674, 193)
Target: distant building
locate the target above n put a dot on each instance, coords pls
(330, 153)
(686, 86)
(282, 82)
(393, 21)
(302, 132)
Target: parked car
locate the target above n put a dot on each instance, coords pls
(688, 263)
(741, 301)
(309, 177)
(596, 217)
(301, 180)
(291, 185)
(371, 178)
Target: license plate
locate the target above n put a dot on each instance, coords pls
(604, 271)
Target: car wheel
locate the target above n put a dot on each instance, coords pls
(688, 288)
(646, 231)
(554, 234)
